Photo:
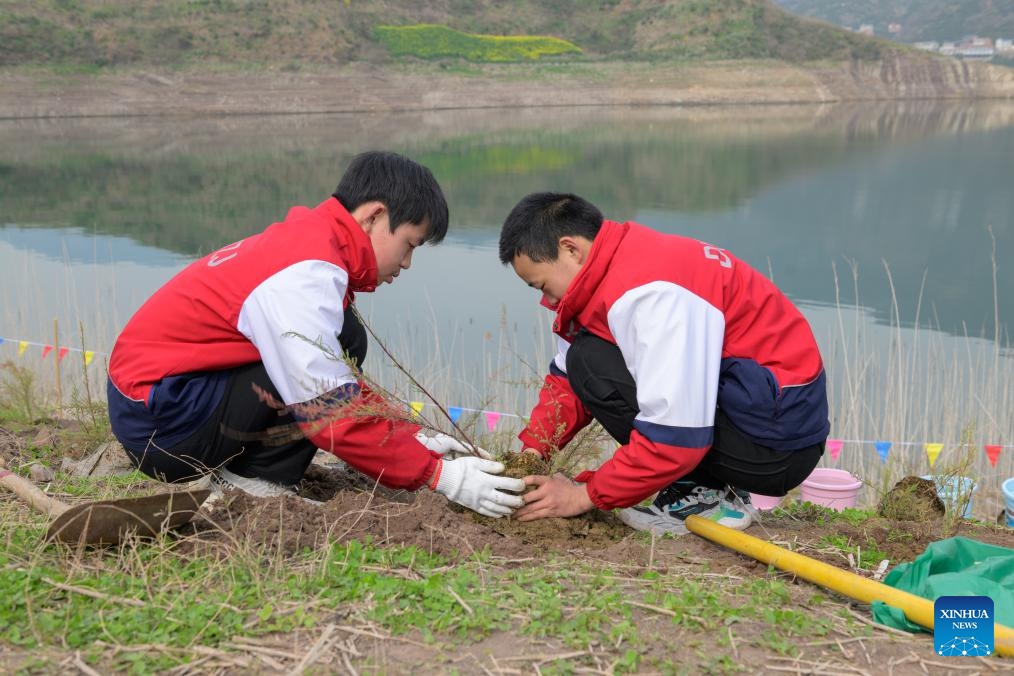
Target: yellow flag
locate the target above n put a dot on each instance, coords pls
(89, 355)
(417, 407)
(932, 451)
(22, 346)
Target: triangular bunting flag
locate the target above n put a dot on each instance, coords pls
(491, 419)
(21, 347)
(455, 413)
(89, 355)
(883, 448)
(993, 453)
(46, 349)
(834, 446)
(62, 353)
(2, 340)
(417, 407)
(932, 451)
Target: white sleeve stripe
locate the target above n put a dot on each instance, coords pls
(671, 340)
(293, 318)
(560, 360)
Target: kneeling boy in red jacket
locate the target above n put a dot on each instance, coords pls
(705, 373)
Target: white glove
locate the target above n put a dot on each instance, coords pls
(470, 481)
(448, 445)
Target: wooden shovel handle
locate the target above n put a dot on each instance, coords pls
(31, 494)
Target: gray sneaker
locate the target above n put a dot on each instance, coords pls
(668, 513)
(224, 480)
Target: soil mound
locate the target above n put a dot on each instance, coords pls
(912, 498)
(352, 506)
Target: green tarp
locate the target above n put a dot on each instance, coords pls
(954, 567)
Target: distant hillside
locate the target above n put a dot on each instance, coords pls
(290, 35)
(919, 19)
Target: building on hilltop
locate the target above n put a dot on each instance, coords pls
(975, 48)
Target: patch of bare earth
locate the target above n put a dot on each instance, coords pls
(354, 508)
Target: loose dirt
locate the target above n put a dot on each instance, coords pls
(354, 508)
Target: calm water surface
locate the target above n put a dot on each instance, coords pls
(901, 215)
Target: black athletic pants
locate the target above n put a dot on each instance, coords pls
(598, 375)
(236, 435)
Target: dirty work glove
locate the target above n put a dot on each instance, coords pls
(449, 446)
(471, 482)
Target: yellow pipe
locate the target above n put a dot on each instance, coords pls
(916, 608)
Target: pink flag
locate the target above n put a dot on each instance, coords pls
(834, 446)
(62, 353)
(993, 453)
(491, 419)
(46, 349)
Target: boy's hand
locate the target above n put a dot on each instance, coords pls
(472, 482)
(447, 445)
(554, 496)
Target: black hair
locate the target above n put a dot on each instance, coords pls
(536, 224)
(406, 188)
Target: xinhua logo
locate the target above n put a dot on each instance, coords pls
(963, 626)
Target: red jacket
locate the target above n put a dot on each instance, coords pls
(277, 297)
(698, 329)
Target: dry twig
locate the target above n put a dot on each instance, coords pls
(319, 646)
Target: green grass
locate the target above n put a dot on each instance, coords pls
(808, 511)
(867, 555)
(429, 41)
(149, 595)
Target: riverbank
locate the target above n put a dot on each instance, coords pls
(361, 87)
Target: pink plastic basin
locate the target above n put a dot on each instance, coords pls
(834, 488)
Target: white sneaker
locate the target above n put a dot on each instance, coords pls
(224, 480)
(667, 514)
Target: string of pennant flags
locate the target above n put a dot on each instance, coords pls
(46, 348)
(932, 450)
(492, 418)
(834, 446)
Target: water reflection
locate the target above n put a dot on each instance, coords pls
(911, 197)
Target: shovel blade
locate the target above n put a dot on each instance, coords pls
(108, 522)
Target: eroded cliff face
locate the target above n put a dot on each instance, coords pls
(916, 78)
(364, 88)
